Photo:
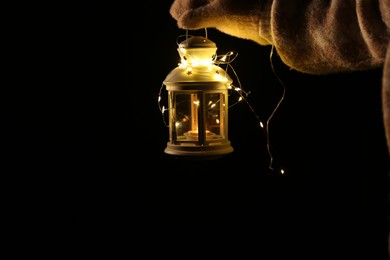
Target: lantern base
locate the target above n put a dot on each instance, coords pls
(209, 152)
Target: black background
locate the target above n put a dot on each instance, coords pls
(89, 175)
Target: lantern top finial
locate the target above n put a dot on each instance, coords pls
(197, 42)
(197, 50)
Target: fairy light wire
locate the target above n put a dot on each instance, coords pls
(242, 97)
(162, 108)
(274, 111)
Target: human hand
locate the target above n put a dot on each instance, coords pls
(236, 18)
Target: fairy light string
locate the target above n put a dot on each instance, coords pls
(274, 111)
(226, 60)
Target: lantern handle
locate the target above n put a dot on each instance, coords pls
(188, 35)
(205, 32)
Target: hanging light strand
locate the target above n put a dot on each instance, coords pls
(226, 60)
(162, 107)
(274, 111)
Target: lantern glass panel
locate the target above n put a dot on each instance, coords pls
(198, 117)
(185, 115)
(214, 116)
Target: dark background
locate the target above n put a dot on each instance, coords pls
(89, 176)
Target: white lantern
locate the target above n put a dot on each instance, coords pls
(198, 103)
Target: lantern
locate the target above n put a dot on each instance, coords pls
(198, 103)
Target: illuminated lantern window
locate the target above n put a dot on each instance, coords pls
(198, 103)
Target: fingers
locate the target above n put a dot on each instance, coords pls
(194, 14)
(233, 17)
(180, 7)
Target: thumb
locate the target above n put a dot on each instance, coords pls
(195, 15)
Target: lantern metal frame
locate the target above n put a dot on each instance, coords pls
(198, 103)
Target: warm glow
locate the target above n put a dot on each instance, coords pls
(203, 65)
(219, 77)
(196, 132)
(195, 62)
(183, 64)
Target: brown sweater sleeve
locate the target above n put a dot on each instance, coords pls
(321, 37)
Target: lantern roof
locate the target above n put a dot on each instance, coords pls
(197, 42)
(197, 55)
(215, 76)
